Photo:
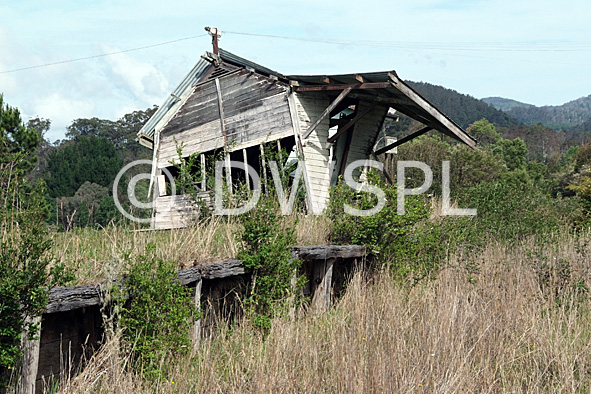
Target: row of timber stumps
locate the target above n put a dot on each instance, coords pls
(72, 326)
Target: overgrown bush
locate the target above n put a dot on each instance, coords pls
(267, 238)
(157, 313)
(26, 268)
(393, 239)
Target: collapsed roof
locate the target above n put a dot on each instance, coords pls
(383, 87)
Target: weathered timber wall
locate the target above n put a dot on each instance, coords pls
(316, 149)
(254, 109)
(365, 132)
(175, 211)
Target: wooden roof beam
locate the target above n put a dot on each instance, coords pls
(442, 119)
(378, 99)
(351, 123)
(326, 112)
(402, 140)
(369, 85)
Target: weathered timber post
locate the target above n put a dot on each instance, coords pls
(292, 297)
(323, 279)
(30, 360)
(196, 334)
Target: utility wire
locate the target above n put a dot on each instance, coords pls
(418, 47)
(532, 46)
(407, 46)
(102, 55)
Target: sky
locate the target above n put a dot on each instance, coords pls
(538, 52)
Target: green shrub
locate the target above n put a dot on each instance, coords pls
(267, 238)
(392, 239)
(157, 315)
(511, 209)
(26, 272)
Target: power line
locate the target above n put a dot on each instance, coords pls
(102, 55)
(422, 46)
(525, 46)
(406, 46)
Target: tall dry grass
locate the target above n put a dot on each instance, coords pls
(509, 320)
(95, 254)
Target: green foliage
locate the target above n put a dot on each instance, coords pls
(509, 210)
(469, 167)
(562, 116)
(430, 150)
(460, 107)
(80, 209)
(25, 273)
(582, 156)
(87, 159)
(122, 133)
(386, 233)
(106, 212)
(157, 315)
(484, 132)
(16, 140)
(583, 190)
(267, 238)
(513, 152)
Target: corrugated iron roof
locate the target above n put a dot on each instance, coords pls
(399, 96)
(193, 76)
(240, 61)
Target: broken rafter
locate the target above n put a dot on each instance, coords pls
(423, 104)
(370, 85)
(351, 123)
(403, 140)
(327, 111)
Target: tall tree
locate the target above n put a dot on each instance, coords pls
(88, 158)
(41, 127)
(16, 138)
(24, 261)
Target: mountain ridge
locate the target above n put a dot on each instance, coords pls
(566, 116)
(504, 104)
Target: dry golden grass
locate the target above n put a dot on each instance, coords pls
(519, 322)
(93, 252)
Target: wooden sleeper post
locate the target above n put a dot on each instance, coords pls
(196, 334)
(30, 360)
(323, 278)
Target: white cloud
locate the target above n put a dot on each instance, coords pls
(62, 110)
(143, 80)
(7, 81)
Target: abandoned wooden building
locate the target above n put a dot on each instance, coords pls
(230, 104)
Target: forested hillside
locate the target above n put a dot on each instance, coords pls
(504, 104)
(463, 109)
(564, 116)
(79, 170)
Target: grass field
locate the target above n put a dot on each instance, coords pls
(94, 254)
(508, 319)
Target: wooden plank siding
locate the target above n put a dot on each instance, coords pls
(255, 110)
(315, 149)
(175, 211)
(365, 133)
